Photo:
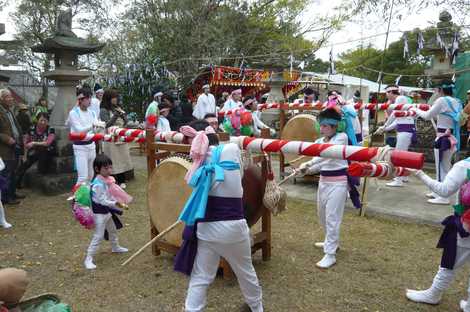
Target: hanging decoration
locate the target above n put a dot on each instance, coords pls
(379, 78)
(241, 74)
(291, 63)
(455, 47)
(420, 43)
(397, 81)
(332, 70)
(406, 50)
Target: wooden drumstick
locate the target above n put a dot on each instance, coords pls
(287, 178)
(297, 159)
(168, 229)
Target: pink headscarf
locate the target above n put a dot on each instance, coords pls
(199, 147)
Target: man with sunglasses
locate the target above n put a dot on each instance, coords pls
(82, 119)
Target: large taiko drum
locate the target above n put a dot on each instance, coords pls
(301, 127)
(168, 192)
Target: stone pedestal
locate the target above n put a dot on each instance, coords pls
(271, 116)
(66, 100)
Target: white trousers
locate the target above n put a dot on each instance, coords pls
(445, 164)
(331, 199)
(3, 220)
(444, 277)
(102, 222)
(84, 157)
(403, 144)
(238, 255)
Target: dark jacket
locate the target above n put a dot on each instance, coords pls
(7, 152)
(25, 122)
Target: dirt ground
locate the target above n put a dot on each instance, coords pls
(379, 258)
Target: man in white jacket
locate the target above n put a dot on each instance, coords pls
(82, 119)
(205, 104)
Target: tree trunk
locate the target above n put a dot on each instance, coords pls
(44, 82)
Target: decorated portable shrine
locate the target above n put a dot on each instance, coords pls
(226, 79)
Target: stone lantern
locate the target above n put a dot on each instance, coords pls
(66, 47)
(441, 66)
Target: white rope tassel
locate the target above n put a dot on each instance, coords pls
(275, 198)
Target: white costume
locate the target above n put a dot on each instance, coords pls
(163, 124)
(444, 122)
(103, 221)
(258, 124)
(331, 195)
(231, 104)
(84, 152)
(454, 179)
(95, 106)
(205, 105)
(227, 239)
(404, 127)
(3, 220)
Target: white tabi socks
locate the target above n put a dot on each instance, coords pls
(89, 263)
(115, 247)
(319, 245)
(3, 221)
(429, 296)
(397, 182)
(328, 261)
(433, 295)
(119, 249)
(465, 304)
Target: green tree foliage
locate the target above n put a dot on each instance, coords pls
(35, 21)
(366, 62)
(188, 34)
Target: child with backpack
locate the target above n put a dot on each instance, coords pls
(106, 200)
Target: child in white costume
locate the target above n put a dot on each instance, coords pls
(3, 183)
(332, 188)
(405, 127)
(105, 208)
(447, 110)
(455, 239)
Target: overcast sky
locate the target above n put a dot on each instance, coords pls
(370, 26)
(357, 29)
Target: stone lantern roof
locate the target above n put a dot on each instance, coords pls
(59, 43)
(66, 47)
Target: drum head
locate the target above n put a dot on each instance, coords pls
(299, 128)
(167, 194)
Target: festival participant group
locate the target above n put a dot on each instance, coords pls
(223, 231)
